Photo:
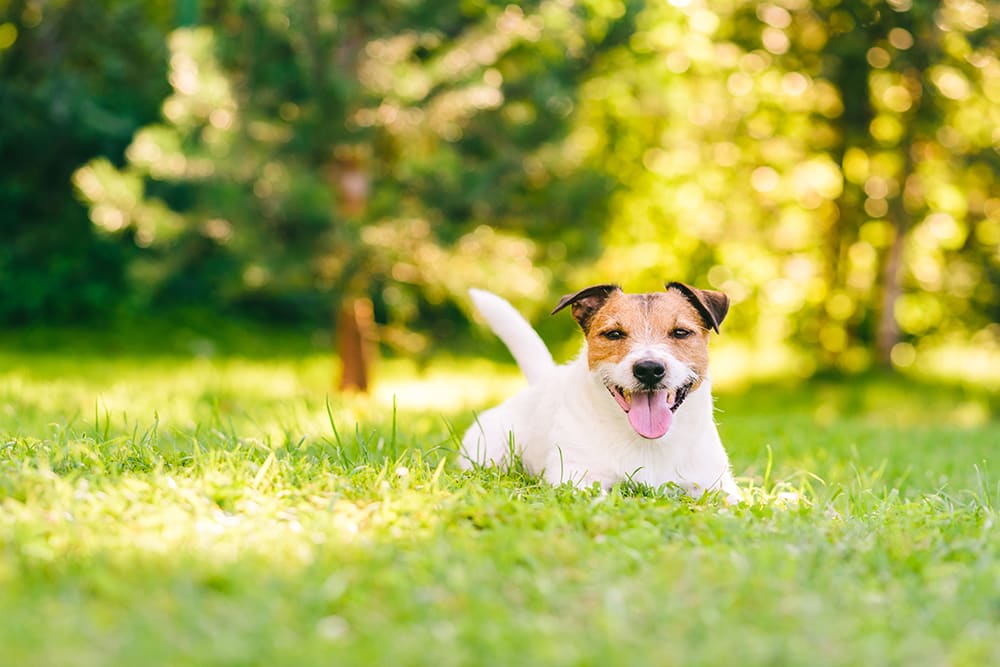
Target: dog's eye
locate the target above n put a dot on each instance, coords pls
(680, 333)
(614, 334)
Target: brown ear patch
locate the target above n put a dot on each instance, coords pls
(586, 302)
(712, 306)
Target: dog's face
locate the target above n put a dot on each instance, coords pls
(650, 350)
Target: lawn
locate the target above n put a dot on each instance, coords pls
(223, 509)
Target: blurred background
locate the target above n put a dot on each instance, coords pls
(328, 165)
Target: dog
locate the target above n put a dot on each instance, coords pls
(636, 403)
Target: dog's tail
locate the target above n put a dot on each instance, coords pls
(524, 343)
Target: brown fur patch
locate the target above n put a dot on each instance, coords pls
(648, 319)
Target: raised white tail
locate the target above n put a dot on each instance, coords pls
(524, 343)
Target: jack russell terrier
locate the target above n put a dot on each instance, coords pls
(636, 404)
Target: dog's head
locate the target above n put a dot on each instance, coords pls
(650, 350)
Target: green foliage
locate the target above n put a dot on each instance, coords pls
(77, 79)
(832, 166)
(784, 152)
(168, 510)
(318, 149)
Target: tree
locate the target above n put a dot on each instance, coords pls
(832, 166)
(399, 152)
(64, 98)
(919, 164)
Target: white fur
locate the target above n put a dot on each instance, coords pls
(567, 427)
(529, 350)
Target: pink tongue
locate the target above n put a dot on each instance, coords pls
(649, 414)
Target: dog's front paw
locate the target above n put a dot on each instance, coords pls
(559, 472)
(729, 493)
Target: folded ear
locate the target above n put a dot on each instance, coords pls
(586, 302)
(712, 306)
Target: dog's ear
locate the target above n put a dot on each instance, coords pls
(712, 306)
(586, 302)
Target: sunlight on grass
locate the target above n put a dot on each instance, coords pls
(235, 510)
(447, 387)
(979, 365)
(225, 509)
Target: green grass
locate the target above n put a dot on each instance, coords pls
(175, 510)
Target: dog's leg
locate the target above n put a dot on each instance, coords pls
(559, 469)
(488, 442)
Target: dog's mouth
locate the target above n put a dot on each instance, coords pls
(650, 412)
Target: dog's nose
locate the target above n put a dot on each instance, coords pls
(648, 372)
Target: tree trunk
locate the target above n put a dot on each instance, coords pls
(887, 333)
(346, 167)
(356, 343)
(356, 332)
(913, 66)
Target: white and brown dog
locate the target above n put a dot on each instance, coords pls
(635, 405)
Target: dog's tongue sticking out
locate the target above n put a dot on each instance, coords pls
(647, 412)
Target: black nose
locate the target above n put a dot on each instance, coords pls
(648, 372)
